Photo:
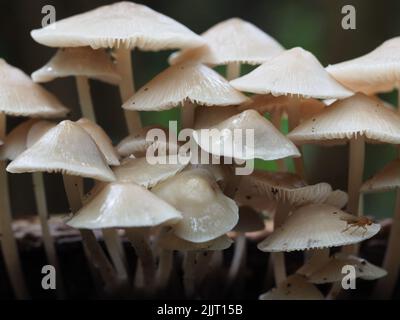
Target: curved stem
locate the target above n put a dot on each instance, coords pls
(127, 88)
(48, 241)
(238, 260)
(116, 252)
(85, 98)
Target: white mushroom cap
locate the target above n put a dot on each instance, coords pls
(269, 143)
(66, 148)
(124, 205)
(337, 198)
(284, 187)
(295, 287)
(146, 174)
(386, 179)
(37, 131)
(207, 212)
(316, 226)
(102, 140)
(185, 82)
(349, 118)
(169, 241)
(294, 72)
(331, 271)
(232, 40)
(376, 71)
(81, 61)
(15, 141)
(20, 96)
(122, 24)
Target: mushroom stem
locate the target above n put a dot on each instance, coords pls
(189, 273)
(276, 118)
(188, 110)
(127, 88)
(85, 98)
(232, 70)
(278, 258)
(91, 247)
(48, 241)
(391, 263)
(293, 122)
(164, 268)
(8, 242)
(239, 258)
(138, 239)
(116, 252)
(203, 261)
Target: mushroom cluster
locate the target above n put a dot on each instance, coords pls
(181, 202)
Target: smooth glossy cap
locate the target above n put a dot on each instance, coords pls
(102, 140)
(189, 81)
(347, 119)
(67, 148)
(122, 24)
(81, 61)
(20, 96)
(230, 41)
(230, 138)
(207, 212)
(124, 205)
(37, 131)
(294, 72)
(317, 226)
(376, 71)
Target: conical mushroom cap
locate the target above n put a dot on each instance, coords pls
(81, 61)
(249, 220)
(15, 141)
(376, 71)
(386, 179)
(284, 187)
(37, 131)
(348, 118)
(122, 24)
(208, 117)
(337, 198)
(293, 72)
(207, 212)
(269, 143)
(102, 140)
(232, 40)
(169, 241)
(316, 226)
(136, 144)
(66, 148)
(124, 205)
(20, 96)
(146, 174)
(295, 287)
(185, 82)
(331, 271)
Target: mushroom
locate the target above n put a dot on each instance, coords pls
(82, 63)
(186, 84)
(129, 206)
(247, 44)
(61, 150)
(387, 179)
(297, 73)
(295, 287)
(123, 26)
(37, 130)
(19, 96)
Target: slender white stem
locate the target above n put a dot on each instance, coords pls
(188, 110)
(92, 249)
(85, 98)
(239, 258)
(293, 122)
(8, 241)
(276, 121)
(232, 70)
(48, 241)
(164, 268)
(127, 88)
(116, 252)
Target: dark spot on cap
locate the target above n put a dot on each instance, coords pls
(248, 197)
(145, 89)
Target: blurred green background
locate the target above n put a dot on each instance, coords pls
(312, 24)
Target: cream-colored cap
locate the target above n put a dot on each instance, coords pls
(37, 130)
(386, 179)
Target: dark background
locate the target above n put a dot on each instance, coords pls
(312, 24)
